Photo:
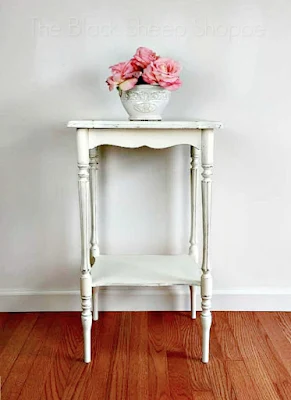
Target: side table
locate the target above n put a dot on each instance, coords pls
(145, 270)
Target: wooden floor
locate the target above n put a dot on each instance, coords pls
(141, 356)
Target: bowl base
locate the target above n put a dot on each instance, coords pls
(149, 120)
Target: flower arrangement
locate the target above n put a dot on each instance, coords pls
(145, 67)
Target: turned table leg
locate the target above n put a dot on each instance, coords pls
(94, 250)
(206, 278)
(193, 249)
(86, 280)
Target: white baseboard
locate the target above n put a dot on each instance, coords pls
(147, 299)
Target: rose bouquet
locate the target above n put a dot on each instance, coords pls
(145, 83)
(145, 67)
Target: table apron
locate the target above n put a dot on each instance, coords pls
(155, 138)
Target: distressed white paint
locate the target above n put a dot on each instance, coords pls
(94, 250)
(86, 280)
(194, 163)
(193, 249)
(206, 279)
(86, 316)
(167, 124)
(133, 134)
(146, 270)
(155, 138)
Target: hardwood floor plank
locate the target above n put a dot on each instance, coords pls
(138, 388)
(76, 383)
(159, 387)
(65, 358)
(192, 338)
(117, 385)
(287, 364)
(262, 382)
(270, 322)
(9, 322)
(242, 382)
(199, 377)
(221, 384)
(260, 353)
(277, 328)
(90, 381)
(104, 344)
(272, 362)
(229, 349)
(21, 367)
(3, 319)
(210, 378)
(175, 326)
(203, 396)
(15, 336)
(240, 331)
(40, 369)
(285, 323)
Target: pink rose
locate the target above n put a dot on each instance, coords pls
(115, 81)
(164, 72)
(143, 57)
(124, 76)
(126, 69)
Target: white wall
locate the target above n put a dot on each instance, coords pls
(237, 63)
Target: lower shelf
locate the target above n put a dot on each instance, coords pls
(145, 271)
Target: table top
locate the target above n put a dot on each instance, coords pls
(195, 124)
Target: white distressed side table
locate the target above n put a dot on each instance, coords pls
(145, 270)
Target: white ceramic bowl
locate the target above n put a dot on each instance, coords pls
(145, 102)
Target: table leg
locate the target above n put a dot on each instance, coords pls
(86, 279)
(206, 278)
(193, 249)
(94, 251)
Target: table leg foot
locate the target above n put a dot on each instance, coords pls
(206, 324)
(86, 316)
